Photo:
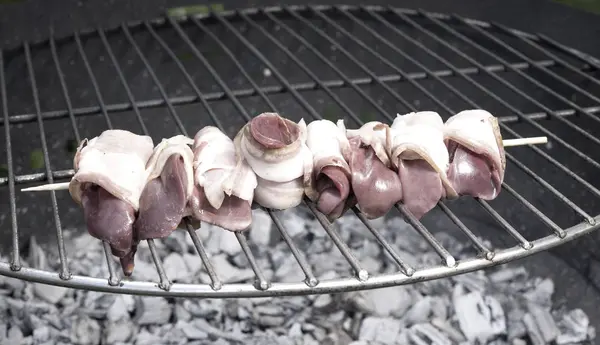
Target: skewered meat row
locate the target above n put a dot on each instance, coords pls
(131, 191)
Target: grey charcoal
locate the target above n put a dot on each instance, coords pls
(480, 317)
(535, 335)
(229, 273)
(86, 331)
(382, 330)
(574, 327)
(190, 330)
(193, 262)
(175, 267)
(261, 231)
(544, 321)
(426, 334)
(118, 332)
(152, 310)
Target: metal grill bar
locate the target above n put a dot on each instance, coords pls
(216, 283)
(487, 253)
(235, 62)
(408, 270)
(557, 230)
(93, 80)
(63, 87)
(543, 69)
(119, 71)
(311, 280)
(64, 267)
(491, 94)
(577, 54)
(261, 282)
(555, 58)
(270, 90)
(113, 279)
(529, 78)
(412, 220)
(360, 272)
(15, 257)
(512, 231)
(306, 69)
(274, 70)
(212, 71)
(157, 82)
(311, 284)
(503, 125)
(164, 284)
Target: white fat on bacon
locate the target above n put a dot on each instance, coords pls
(275, 148)
(116, 161)
(418, 152)
(477, 158)
(218, 170)
(374, 134)
(331, 178)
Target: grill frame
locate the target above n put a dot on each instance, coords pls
(311, 285)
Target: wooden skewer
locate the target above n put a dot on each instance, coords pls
(524, 141)
(47, 187)
(506, 143)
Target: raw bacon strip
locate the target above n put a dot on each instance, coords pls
(225, 183)
(169, 186)
(275, 148)
(331, 177)
(418, 152)
(109, 179)
(376, 187)
(477, 159)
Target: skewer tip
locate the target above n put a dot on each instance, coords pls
(47, 187)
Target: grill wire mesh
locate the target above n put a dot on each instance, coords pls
(163, 77)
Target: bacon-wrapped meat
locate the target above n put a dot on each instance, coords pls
(108, 182)
(225, 182)
(376, 187)
(477, 159)
(275, 148)
(331, 177)
(418, 152)
(169, 187)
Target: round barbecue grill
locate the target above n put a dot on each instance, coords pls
(357, 63)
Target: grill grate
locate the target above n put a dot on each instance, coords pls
(459, 63)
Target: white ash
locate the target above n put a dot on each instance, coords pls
(496, 307)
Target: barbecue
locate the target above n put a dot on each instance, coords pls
(232, 175)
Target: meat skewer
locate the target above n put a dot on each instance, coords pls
(375, 185)
(271, 162)
(419, 155)
(477, 160)
(330, 188)
(108, 182)
(225, 183)
(168, 189)
(275, 148)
